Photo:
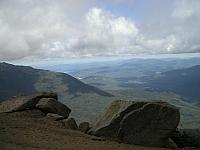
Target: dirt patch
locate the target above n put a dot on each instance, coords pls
(21, 131)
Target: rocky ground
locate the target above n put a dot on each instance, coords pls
(28, 130)
(40, 121)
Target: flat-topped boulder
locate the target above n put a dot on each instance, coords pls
(51, 105)
(20, 103)
(141, 123)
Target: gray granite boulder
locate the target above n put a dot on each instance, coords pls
(109, 123)
(141, 123)
(51, 105)
(150, 125)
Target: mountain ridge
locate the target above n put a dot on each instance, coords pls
(184, 82)
(16, 79)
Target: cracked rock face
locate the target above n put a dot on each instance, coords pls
(141, 123)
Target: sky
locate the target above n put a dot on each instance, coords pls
(32, 30)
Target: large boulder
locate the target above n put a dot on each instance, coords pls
(141, 123)
(20, 103)
(51, 105)
(150, 125)
(109, 123)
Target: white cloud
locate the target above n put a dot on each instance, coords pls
(103, 34)
(31, 27)
(186, 18)
(172, 30)
(185, 9)
(76, 28)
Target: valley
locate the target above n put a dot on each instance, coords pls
(90, 97)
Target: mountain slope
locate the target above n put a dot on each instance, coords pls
(85, 100)
(26, 80)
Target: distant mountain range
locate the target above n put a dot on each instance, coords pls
(184, 82)
(133, 67)
(180, 76)
(87, 102)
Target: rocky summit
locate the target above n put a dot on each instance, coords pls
(141, 123)
(40, 121)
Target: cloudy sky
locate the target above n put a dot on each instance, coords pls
(48, 29)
